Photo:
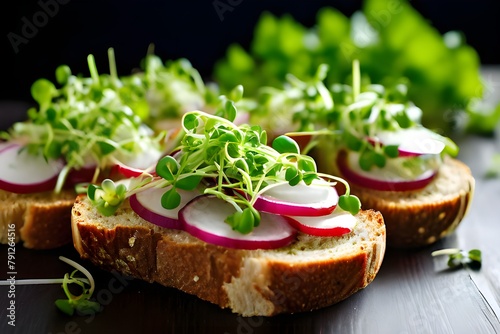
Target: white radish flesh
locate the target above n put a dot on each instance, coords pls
(22, 172)
(143, 162)
(380, 180)
(413, 141)
(317, 199)
(204, 218)
(333, 225)
(147, 204)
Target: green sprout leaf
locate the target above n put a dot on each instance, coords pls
(458, 258)
(189, 182)
(108, 197)
(66, 306)
(352, 142)
(43, 91)
(167, 167)
(391, 151)
(475, 255)
(285, 144)
(190, 122)
(236, 93)
(244, 221)
(493, 170)
(171, 199)
(79, 303)
(307, 165)
(230, 110)
(350, 203)
(63, 73)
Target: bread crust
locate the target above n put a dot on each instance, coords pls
(42, 220)
(421, 217)
(312, 273)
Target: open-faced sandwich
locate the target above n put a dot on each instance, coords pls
(372, 136)
(82, 131)
(400, 168)
(247, 226)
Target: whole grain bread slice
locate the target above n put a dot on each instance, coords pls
(311, 273)
(421, 217)
(41, 220)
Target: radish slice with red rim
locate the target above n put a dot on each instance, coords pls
(143, 162)
(22, 172)
(335, 224)
(412, 142)
(147, 205)
(204, 217)
(364, 179)
(127, 171)
(7, 146)
(82, 174)
(317, 199)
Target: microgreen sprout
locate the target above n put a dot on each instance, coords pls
(231, 162)
(374, 109)
(365, 110)
(459, 258)
(309, 102)
(86, 121)
(79, 303)
(107, 197)
(493, 170)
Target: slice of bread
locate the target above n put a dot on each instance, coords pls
(42, 220)
(311, 273)
(421, 217)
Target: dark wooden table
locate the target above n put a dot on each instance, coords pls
(413, 292)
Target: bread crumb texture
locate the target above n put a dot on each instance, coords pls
(419, 218)
(42, 220)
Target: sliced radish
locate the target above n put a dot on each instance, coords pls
(147, 204)
(143, 162)
(333, 225)
(317, 199)
(381, 182)
(82, 174)
(22, 172)
(127, 171)
(204, 217)
(412, 142)
(7, 146)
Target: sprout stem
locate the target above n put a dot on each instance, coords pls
(81, 269)
(356, 78)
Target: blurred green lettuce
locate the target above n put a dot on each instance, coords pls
(391, 40)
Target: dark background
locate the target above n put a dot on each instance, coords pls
(191, 29)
